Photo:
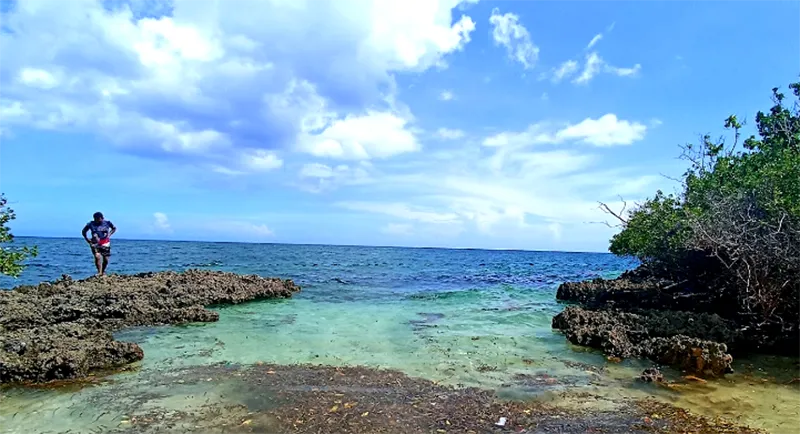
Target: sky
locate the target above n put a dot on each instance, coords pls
(484, 124)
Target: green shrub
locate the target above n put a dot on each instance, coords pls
(11, 258)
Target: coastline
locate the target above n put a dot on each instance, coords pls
(308, 393)
(642, 315)
(62, 330)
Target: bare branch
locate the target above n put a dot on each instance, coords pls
(617, 215)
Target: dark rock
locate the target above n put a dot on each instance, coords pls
(691, 354)
(639, 293)
(652, 375)
(686, 340)
(14, 346)
(62, 329)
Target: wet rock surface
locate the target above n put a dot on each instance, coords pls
(641, 315)
(319, 399)
(652, 375)
(680, 339)
(63, 329)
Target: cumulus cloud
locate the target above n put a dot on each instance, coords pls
(514, 185)
(607, 130)
(508, 32)
(374, 135)
(161, 222)
(210, 85)
(446, 95)
(241, 91)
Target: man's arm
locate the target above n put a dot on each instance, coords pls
(113, 228)
(83, 232)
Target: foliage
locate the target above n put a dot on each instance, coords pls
(11, 258)
(654, 230)
(740, 207)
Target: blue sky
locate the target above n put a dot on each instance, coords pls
(416, 123)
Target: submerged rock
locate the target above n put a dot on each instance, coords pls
(355, 400)
(652, 375)
(62, 329)
(686, 340)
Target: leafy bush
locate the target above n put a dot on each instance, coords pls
(739, 211)
(11, 258)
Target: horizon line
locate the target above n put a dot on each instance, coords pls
(329, 245)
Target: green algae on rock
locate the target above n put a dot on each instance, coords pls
(63, 329)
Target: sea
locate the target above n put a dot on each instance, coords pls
(463, 317)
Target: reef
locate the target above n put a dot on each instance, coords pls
(64, 329)
(671, 323)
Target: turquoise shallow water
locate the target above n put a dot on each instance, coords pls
(461, 317)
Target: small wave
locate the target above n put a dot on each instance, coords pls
(203, 265)
(447, 295)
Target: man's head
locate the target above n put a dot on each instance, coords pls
(98, 217)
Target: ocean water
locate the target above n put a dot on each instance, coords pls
(460, 317)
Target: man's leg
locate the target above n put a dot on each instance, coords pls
(106, 254)
(98, 262)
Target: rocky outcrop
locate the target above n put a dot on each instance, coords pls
(682, 339)
(63, 329)
(636, 291)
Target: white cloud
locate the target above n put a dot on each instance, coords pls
(512, 193)
(317, 170)
(607, 130)
(565, 70)
(243, 90)
(594, 40)
(261, 160)
(161, 222)
(242, 230)
(446, 95)
(374, 135)
(590, 68)
(624, 72)
(210, 85)
(318, 177)
(508, 189)
(402, 211)
(37, 78)
(449, 134)
(510, 33)
(257, 230)
(595, 64)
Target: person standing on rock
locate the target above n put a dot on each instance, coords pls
(100, 243)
